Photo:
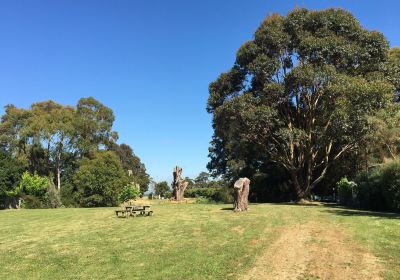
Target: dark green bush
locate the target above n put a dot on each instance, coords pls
(99, 180)
(379, 189)
(345, 189)
(67, 194)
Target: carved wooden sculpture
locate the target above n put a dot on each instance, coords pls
(241, 187)
(179, 185)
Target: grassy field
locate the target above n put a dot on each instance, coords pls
(181, 241)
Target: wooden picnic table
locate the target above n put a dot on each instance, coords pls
(133, 210)
(137, 207)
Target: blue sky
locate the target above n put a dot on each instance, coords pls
(150, 61)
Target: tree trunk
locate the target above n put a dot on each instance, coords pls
(179, 186)
(179, 191)
(58, 163)
(242, 187)
(58, 179)
(58, 172)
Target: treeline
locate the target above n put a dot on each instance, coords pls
(53, 155)
(204, 188)
(311, 98)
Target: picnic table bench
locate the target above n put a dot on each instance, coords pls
(134, 210)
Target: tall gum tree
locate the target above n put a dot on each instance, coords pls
(53, 125)
(301, 93)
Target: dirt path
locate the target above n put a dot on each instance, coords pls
(315, 251)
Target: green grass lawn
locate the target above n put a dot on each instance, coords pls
(181, 241)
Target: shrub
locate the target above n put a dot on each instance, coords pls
(346, 188)
(168, 194)
(131, 191)
(379, 189)
(38, 192)
(33, 184)
(99, 180)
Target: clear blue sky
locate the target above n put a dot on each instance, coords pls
(150, 61)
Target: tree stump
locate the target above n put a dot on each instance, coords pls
(179, 186)
(241, 187)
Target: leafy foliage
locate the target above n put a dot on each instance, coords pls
(33, 184)
(37, 192)
(99, 180)
(394, 55)
(94, 125)
(383, 138)
(129, 192)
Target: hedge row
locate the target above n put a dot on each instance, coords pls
(219, 194)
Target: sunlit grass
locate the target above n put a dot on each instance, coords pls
(181, 241)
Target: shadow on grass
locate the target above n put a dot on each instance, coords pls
(232, 208)
(228, 208)
(349, 212)
(311, 203)
(345, 211)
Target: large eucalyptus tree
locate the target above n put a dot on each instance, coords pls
(299, 95)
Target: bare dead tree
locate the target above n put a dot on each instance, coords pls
(179, 185)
